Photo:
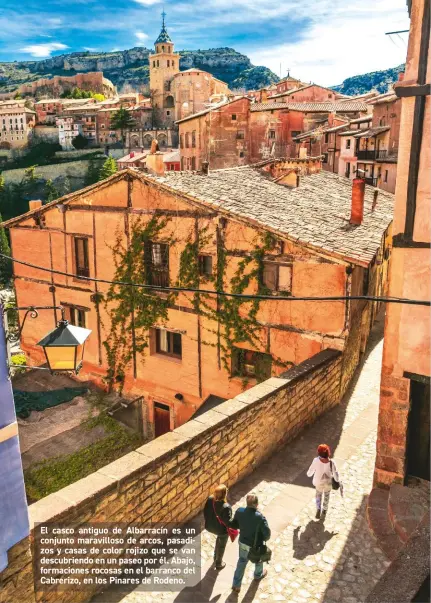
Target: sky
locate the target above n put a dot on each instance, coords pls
(323, 41)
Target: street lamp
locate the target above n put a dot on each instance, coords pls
(64, 347)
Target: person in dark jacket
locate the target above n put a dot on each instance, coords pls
(249, 521)
(217, 505)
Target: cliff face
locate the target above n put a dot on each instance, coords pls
(131, 67)
(376, 80)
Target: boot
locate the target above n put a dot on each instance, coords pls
(323, 515)
(318, 514)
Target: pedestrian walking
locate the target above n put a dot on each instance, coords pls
(325, 476)
(218, 514)
(253, 532)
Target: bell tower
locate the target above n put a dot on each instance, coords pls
(164, 64)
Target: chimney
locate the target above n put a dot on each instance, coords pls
(264, 95)
(34, 204)
(154, 163)
(132, 154)
(358, 194)
(400, 76)
(205, 168)
(331, 119)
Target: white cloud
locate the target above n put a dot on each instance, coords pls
(42, 51)
(55, 21)
(343, 40)
(148, 2)
(141, 36)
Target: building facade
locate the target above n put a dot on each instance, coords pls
(216, 232)
(68, 129)
(403, 442)
(16, 125)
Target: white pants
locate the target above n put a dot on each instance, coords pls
(322, 499)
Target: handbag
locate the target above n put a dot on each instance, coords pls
(335, 484)
(259, 553)
(231, 531)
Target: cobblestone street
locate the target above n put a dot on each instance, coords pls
(337, 560)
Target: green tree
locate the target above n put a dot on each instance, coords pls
(17, 96)
(108, 168)
(93, 172)
(122, 120)
(51, 191)
(80, 142)
(5, 264)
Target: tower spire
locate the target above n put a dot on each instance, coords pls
(163, 18)
(163, 36)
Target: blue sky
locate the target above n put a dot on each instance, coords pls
(319, 40)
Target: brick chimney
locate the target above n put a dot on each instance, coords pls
(358, 195)
(34, 204)
(264, 95)
(154, 163)
(400, 76)
(132, 154)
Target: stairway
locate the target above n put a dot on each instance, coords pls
(394, 514)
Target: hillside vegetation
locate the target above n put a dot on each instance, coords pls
(131, 67)
(376, 80)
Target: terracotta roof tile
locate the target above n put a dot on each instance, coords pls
(312, 107)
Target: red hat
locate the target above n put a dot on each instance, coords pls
(324, 451)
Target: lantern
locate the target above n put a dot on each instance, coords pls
(64, 347)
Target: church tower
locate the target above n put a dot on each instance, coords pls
(164, 64)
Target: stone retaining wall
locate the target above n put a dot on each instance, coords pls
(170, 478)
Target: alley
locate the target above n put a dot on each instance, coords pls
(312, 561)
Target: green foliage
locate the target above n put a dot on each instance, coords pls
(14, 197)
(5, 264)
(18, 362)
(132, 311)
(255, 78)
(377, 80)
(17, 96)
(80, 142)
(50, 476)
(51, 191)
(99, 97)
(108, 168)
(93, 172)
(122, 120)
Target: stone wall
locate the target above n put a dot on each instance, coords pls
(170, 478)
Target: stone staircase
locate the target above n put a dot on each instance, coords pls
(394, 514)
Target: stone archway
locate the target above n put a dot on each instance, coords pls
(169, 102)
(147, 140)
(162, 139)
(134, 141)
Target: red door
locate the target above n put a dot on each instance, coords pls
(162, 419)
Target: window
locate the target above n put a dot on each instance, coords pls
(168, 112)
(295, 133)
(82, 266)
(325, 157)
(157, 62)
(168, 62)
(277, 277)
(271, 134)
(156, 259)
(233, 116)
(75, 316)
(240, 135)
(247, 363)
(386, 175)
(168, 343)
(193, 163)
(241, 153)
(187, 140)
(205, 265)
(326, 137)
(181, 141)
(348, 143)
(194, 139)
(154, 63)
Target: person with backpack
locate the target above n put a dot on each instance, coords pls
(325, 476)
(253, 531)
(218, 514)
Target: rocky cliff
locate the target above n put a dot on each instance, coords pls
(376, 80)
(131, 67)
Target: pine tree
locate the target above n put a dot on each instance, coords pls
(108, 168)
(93, 173)
(51, 191)
(5, 264)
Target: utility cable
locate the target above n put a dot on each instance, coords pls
(396, 300)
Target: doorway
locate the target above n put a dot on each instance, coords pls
(418, 431)
(162, 419)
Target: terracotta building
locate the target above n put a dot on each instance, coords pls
(268, 229)
(239, 132)
(194, 89)
(403, 444)
(307, 93)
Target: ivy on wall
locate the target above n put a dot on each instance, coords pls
(133, 311)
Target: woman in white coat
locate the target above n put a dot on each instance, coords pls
(322, 470)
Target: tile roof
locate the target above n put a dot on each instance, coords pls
(345, 106)
(211, 108)
(316, 213)
(361, 120)
(373, 131)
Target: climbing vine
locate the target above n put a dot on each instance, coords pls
(134, 311)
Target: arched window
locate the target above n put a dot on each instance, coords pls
(169, 102)
(157, 62)
(163, 49)
(154, 63)
(168, 62)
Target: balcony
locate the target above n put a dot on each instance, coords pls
(159, 277)
(371, 181)
(366, 154)
(381, 154)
